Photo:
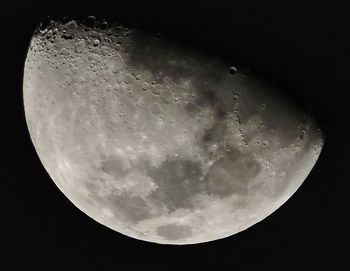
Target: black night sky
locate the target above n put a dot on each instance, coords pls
(303, 48)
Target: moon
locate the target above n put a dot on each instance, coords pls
(156, 140)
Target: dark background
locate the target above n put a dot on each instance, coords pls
(302, 47)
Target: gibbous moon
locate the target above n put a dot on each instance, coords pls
(156, 141)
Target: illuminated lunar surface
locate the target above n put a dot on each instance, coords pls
(156, 141)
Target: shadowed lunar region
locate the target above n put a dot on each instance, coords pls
(155, 140)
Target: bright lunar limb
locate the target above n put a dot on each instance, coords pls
(156, 141)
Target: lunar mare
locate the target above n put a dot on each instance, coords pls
(157, 141)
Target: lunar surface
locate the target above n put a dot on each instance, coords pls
(156, 141)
